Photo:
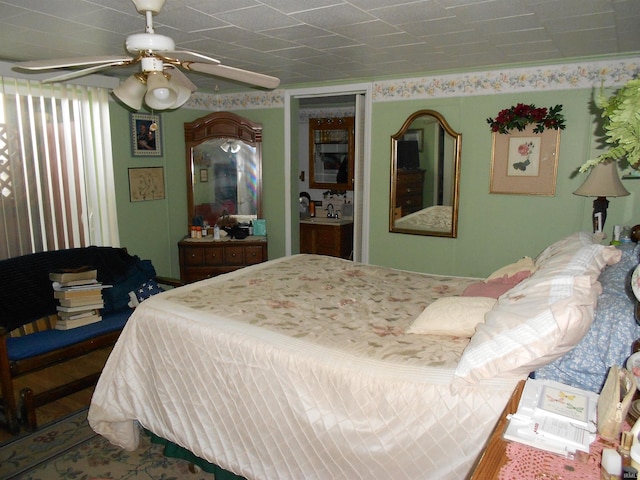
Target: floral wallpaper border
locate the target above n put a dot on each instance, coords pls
(550, 77)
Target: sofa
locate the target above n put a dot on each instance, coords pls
(28, 338)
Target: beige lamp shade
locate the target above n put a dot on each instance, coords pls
(603, 181)
(132, 91)
(160, 95)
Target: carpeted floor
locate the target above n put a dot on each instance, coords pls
(69, 449)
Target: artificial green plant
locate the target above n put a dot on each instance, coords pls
(621, 113)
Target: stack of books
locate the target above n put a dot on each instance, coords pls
(79, 296)
(554, 417)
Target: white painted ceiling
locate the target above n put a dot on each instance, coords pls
(302, 41)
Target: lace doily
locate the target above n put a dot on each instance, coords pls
(527, 463)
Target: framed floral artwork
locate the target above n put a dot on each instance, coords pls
(524, 162)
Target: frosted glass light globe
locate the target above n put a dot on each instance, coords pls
(161, 93)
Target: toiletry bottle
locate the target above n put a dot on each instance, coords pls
(216, 232)
(635, 446)
(625, 448)
(312, 208)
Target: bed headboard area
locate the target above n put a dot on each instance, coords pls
(569, 321)
(614, 326)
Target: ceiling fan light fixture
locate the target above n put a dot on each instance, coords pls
(143, 6)
(143, 42)
(132, 91)
(160, 94)
(179, 82)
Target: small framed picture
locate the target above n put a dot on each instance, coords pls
(204, 175)
(146, 136)
(146, 184)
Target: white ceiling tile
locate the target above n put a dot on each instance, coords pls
(326, 40)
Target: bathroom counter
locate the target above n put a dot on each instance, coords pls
(327, 236)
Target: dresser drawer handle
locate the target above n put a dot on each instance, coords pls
(408, 190)
(233, 254)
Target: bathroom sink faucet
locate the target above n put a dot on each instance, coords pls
(330, 212)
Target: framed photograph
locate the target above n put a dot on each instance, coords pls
(525, 163)
(415, 135)
(204, 175)
(146, 183)
(146, 137)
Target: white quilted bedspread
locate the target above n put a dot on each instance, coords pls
(299, 369)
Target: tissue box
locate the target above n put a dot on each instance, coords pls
(260, 227)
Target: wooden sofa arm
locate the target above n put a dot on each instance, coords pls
(172, 282)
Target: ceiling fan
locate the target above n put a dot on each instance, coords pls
(160, 81)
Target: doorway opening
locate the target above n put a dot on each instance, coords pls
(329, 102)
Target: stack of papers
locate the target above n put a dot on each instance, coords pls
(554, 417)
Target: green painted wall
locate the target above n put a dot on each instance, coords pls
(152, 229)
(493, 229)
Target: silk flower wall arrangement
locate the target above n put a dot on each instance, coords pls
(525, 146)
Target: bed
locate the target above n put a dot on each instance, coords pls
(317, 367)
(436, 218)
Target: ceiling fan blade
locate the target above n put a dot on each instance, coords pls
(189, 56)
(85, 71)
(232, 73)
(71, 62)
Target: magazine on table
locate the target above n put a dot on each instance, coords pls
(554, 417)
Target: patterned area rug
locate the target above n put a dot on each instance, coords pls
(69, 449)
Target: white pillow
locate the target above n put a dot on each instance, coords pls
(544, 316)
(522, 265)
(452, 316)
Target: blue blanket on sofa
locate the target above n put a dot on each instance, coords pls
(27, 294)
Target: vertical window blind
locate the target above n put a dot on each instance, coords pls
(56, 170)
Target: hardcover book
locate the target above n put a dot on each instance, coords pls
(81, 301)
(72, 275)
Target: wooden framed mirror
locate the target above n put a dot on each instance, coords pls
(224, 167)
(331, 153)
(425, 176)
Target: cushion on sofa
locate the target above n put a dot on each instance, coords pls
(117, 297)
(30, 282)
(28, 346)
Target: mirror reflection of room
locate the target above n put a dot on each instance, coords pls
(425, 176)
(229, 184)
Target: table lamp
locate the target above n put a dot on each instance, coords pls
(603, 181)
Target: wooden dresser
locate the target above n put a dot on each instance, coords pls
(333, 239)
(204, 258)
(409, 190)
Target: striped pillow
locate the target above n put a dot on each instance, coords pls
(544, 316)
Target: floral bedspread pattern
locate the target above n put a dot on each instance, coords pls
(295, 298)
(435, 219)
(337, 390)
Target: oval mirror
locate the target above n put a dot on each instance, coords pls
(224, 168)
(425, 176)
